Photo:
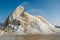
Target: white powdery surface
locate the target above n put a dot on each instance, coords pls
(24, 23)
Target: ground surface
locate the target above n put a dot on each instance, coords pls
(55, 36)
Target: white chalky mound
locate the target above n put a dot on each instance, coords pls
(24, 23)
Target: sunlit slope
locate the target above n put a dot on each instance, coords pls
(25, 23)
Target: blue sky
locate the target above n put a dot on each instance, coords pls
(49, 9)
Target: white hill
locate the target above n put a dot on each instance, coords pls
(23, 23)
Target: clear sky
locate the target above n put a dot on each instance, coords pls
(49, 9)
